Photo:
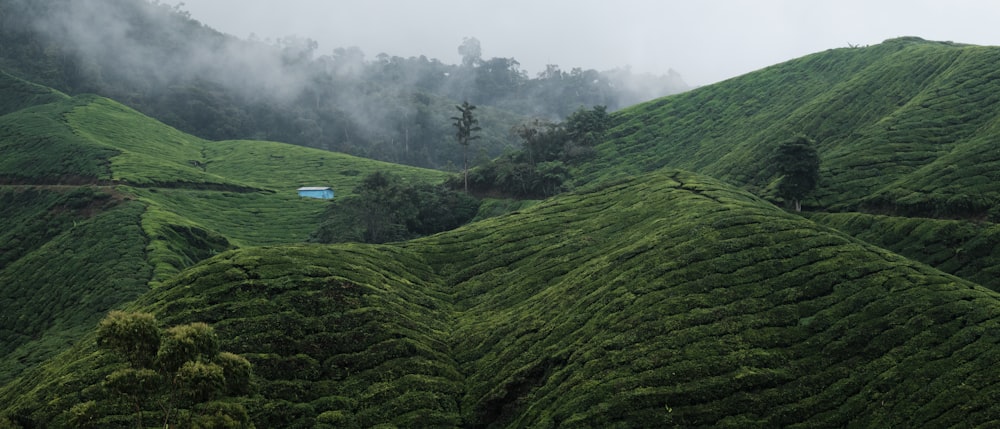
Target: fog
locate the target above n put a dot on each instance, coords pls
(705, 40)
(378, 78)
(153, 57)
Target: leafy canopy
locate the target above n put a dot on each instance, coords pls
(176, 373)
(384, 208)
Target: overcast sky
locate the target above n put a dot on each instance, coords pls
(704, 40)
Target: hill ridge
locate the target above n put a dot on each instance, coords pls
(691, 303)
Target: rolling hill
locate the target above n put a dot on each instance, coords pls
(88, 182)
(669, 299)
(652, 296)
(904, 129)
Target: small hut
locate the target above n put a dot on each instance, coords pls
(321, 192)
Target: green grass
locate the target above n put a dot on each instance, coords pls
(38, 146)
(149, 152)
(284, 168)
(202, 197)
(905, 128)
(190, 198)
(666, 299)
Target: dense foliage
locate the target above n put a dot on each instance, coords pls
(173, 376)
(383, 208)
(968, 249)
(797, 165)
(466, 130)
(153, 57)
(97, 201)
(541, 168)
(68, 255)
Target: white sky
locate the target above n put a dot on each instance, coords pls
(704, 40)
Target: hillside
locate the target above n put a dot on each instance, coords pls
(905, 128)
(667, 299)
(649, 297)
(19, 94)
(100, 202)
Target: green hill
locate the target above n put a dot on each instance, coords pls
(665, 300)
(650, 297)
(903, 127)
(100, 201)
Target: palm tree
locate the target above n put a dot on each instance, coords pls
(466, 124)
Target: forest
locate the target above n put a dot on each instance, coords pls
(155, 58)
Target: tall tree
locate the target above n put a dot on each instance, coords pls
(471, 51)
(466, 125)
(797, 162)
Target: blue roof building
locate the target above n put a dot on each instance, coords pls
(321, 192)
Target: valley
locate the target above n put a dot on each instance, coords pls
(669, 286)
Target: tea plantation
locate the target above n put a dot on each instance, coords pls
(667, 290)
(667, 299)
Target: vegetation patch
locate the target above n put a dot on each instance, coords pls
(648, 297)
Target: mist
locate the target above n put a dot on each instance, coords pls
(163, 44)
(706, 41)
(160, 60)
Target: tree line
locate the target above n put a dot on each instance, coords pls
(541, 168)
(384, 208)
(215, 86)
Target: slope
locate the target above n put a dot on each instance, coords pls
(665, 299)
(903, 127)
(20, 94)
(68, 255)
(232, 193)
(101, 201)
(967, 249)
(671, 299)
